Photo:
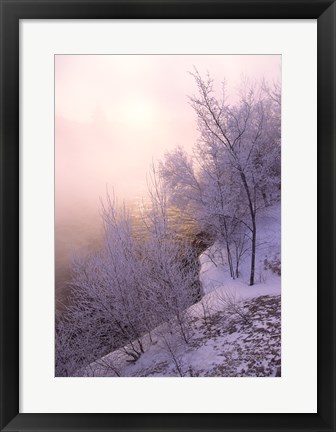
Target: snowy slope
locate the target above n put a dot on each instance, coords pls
(235, 329)
(223, 343)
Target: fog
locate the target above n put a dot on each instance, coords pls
(114, 115)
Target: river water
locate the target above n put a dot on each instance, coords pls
(83, 231)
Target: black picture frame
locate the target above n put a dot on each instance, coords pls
(324, 11)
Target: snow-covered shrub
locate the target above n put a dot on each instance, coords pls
(126, 289)
(233, 305)
(273, 264)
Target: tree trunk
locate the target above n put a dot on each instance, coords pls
(237, 263)
(228, 251)
(254, 227)
(230, 260)
(254, 246)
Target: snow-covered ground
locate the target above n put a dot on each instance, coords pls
(214, 272)
(226, 340)
(235, 330)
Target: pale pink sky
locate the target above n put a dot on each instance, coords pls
(115, 114)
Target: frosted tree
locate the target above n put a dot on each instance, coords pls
(128, 287)
(171, 263)
(107, 307)
(235, 168)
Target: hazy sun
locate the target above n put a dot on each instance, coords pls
(137, 112)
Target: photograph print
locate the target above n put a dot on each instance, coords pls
(167, 216)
